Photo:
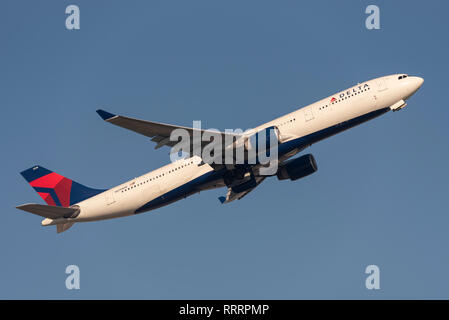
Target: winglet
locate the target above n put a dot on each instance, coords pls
(105, 115)
(222, 199)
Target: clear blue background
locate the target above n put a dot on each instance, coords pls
(380, 195)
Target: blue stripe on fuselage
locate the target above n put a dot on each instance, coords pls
(182, 191)
(314, 137)
(299, 143)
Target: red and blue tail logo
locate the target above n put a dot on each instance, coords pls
(55, 189)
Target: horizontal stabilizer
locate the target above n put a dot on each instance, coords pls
(51, 212)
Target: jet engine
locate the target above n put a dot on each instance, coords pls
(298, 168)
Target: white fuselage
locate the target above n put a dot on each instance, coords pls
(300, 128)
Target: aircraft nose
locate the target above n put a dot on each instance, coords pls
(414, 83)
(418, 82)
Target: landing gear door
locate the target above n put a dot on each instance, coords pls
(381, 85)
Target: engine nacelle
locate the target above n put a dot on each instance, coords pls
(298, 168)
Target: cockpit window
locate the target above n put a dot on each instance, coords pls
(402, 77)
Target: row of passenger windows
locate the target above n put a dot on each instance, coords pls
(286, 122)
(157, 177)
(340, 100)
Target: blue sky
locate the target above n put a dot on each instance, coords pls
(379, 196)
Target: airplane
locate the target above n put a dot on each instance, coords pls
(69, 202)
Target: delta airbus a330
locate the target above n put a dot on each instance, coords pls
(69, 202)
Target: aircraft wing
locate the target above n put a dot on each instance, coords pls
(158, 132)
(231, 195)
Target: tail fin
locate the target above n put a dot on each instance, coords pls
(55, 189)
